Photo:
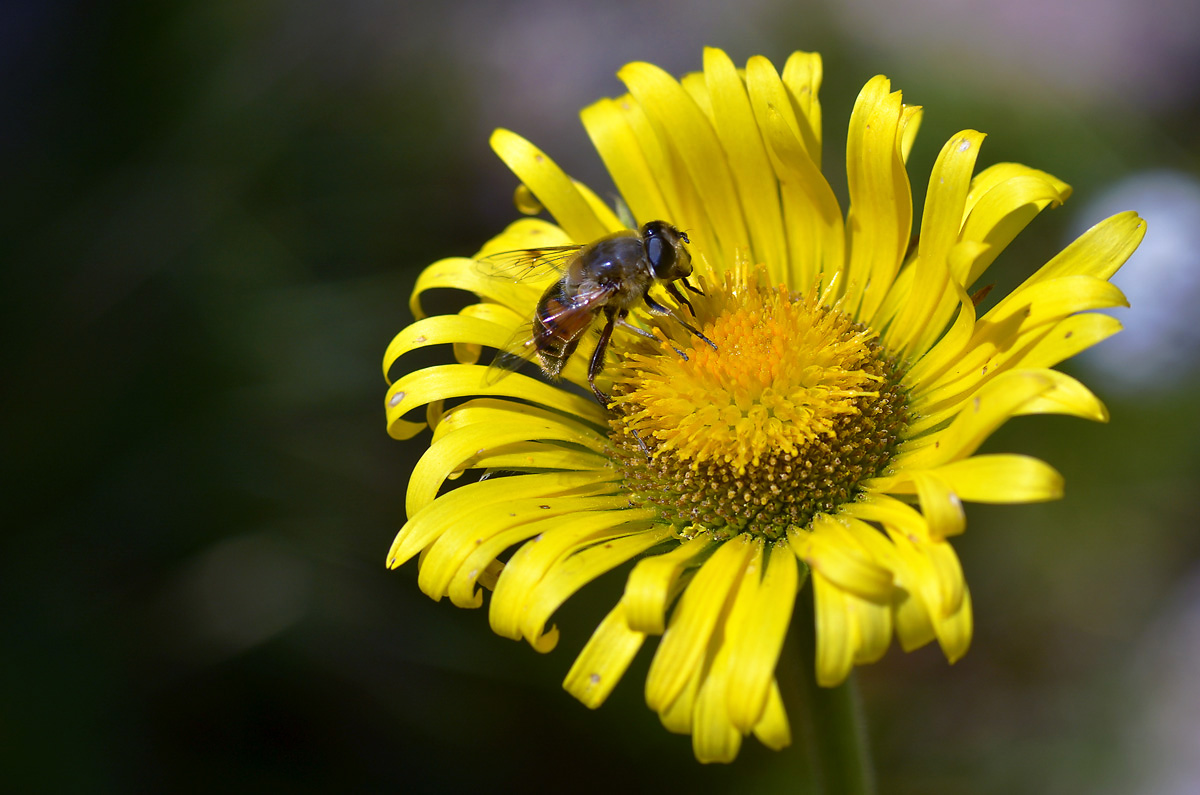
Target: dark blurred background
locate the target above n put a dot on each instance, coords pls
(213, 214)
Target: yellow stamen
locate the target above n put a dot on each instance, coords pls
(793, 408)
(783, 371)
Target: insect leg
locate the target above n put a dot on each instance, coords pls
(643, 333)
(597, 363)
(680, 297)
(659, 309)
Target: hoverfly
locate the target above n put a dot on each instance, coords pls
(606, 277)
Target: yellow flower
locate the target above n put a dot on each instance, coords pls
(831, 434)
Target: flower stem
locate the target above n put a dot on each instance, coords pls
(829, 721)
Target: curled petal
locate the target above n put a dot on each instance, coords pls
(462, 380)
(831, 551)
(557, 192)
(538, 558)
(424, 527)
(581, 567)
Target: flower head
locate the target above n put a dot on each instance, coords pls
(829, 432)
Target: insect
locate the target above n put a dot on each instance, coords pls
(606, 277)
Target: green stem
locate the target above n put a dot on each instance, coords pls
(828, 721)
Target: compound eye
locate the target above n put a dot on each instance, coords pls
(656, 252)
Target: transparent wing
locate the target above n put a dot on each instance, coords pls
(519, 348)
(566, 317)
(528, 263)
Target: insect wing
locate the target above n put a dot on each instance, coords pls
(563, 321)
(519, 348)
(528, 263)
(571, 315)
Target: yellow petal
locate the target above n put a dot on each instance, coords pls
(835, 632)
(714, 737)
(940, 227)
(1006, 334)
(700, 608)
(462, 380)
(697, 88)
(932, 578)
(891, 513)
(1099, 252)
(525, 233)
(609, 219)
(1001, 478)
(870, 618)
(652, 581)
(685, 206)
(468, 352)
(443, 330)
(922, 331)
(914, 610)
(880, 199)
(1001, 175)
(444, 561)
(757, 630)
(1049, 300)
(614, 139)
(954, 632)
(481, 564)
(540, 456)
(1067, 396)
(769, 94)
(453, 563)
(434, 519)
(940, 505)
(604, 660)
(910, 124)
(455, 448)
(580, 568)
(679, 120)
(743, 144)
(679, 716)
(986, 411)
(461, 273)
(773, 730)
(1072, 335)
(496, 413)
(531, 563)
(813, 219)
(873, 625)
(874, 619)
(940, 357)
(951, 588)
(802, 74)
(829, 549)
(553, 188)
(997, 212)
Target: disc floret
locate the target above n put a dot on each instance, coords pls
(795, 406)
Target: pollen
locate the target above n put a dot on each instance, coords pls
(793, 408)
